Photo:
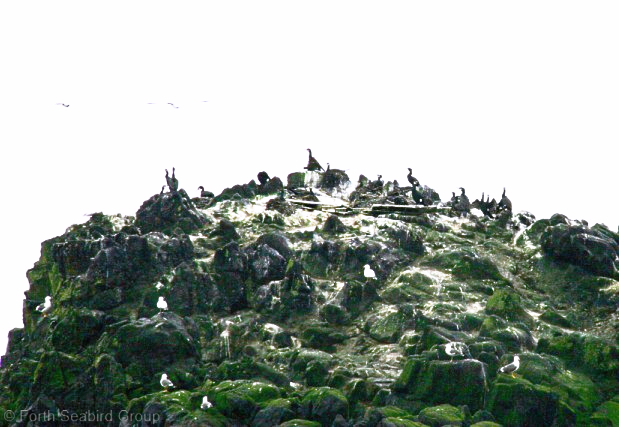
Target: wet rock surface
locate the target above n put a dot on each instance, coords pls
(271, 318)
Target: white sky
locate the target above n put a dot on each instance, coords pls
(480, 94)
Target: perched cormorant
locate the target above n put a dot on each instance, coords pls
(464, 205)
(162, 188)
(205, 193)
(312, 163)
(165, 382)
(411, 178)
(417, 195)
(511, 368)
(454, 199)
(174, 180)
(168, 180)
(376, 185)
(263, 177)
(505, 204)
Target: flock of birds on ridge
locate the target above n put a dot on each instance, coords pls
(459, 203)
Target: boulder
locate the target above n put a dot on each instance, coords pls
(588, 248)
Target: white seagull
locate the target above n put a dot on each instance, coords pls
(205, 403)
(511, 368)
(454, 349)
(46, 307)
(368, 272)
(162, 305)
(165, 382)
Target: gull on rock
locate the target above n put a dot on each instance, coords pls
(45, 307)
(205, 403)
(165, 382)
(162, 305)
(368, 273)
(511, 368)
(454, 349)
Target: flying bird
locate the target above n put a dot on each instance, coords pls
(60, 103)
(165, 382)
(511, 368)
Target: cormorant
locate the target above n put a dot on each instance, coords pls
(464, 205)
(417, 195)
(312, 163)
(411, 178)
(263, 177)
(505, 204)
(205, 193)
(174, 180)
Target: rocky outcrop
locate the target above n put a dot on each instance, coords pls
(272, 320)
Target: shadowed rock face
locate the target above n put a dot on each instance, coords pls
(270, 315)
(589, 248)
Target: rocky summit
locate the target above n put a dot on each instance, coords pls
(254, 308)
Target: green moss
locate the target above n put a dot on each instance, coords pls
(486, 424)
(324, 403)
(609, 410)
(388, 329)
(300, 423)
(442, 415)
(403, 422)
(507, 304)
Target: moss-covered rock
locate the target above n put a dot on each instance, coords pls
(241, 399)
(518, 402)
(462, 382)
(441, 415)
(508, 305)
(322, 404)
(465, 264)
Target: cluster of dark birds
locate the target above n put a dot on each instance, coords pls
(425, 196)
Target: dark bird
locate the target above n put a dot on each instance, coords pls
(205, 193)
(511, 368)
(417, 195)
(171, 181)
(411, 178)
(505, 204)
(64, 105)
(263, 177)
(312, 163)
(169, 103)
(464, 205)
(454, 199)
